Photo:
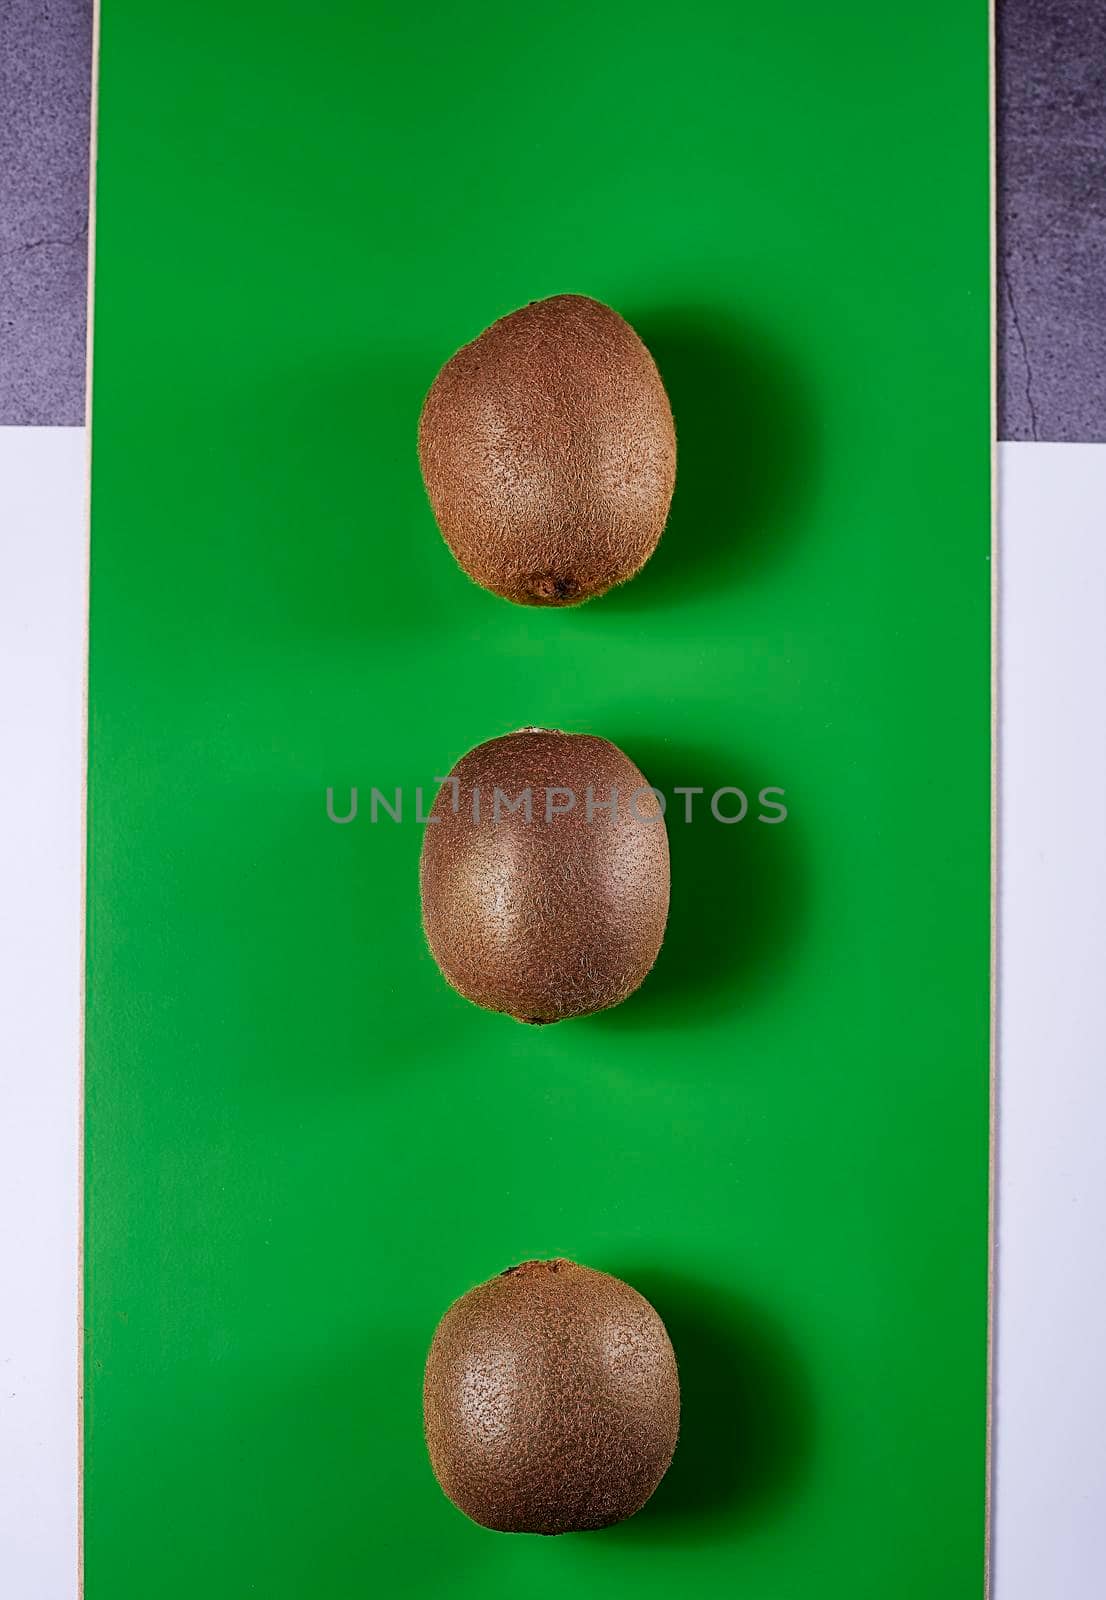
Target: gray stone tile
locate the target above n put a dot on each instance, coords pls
(45, 92)
(1051, 288)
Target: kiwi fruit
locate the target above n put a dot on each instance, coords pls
(544, 875)
(549, 453)
(551, 1400)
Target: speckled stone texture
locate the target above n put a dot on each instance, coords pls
(45, 94)
(1051, 287)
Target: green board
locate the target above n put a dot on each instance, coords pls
(301, 1145)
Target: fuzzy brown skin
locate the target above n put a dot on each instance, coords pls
(549, 454)
(558, 916)
(551, 1400)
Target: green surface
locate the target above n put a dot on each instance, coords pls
(301, 1145)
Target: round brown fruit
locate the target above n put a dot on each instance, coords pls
(549, 453)
(557, 907)
(551, 1400)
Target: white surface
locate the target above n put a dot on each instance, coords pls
(43, 548)
(1049, 1534)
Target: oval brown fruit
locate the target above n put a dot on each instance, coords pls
(551, 1400)
(544, 875)
(549, 454)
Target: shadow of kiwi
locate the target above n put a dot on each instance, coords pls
(746, 1412)
(746, 452)
(739, 892)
